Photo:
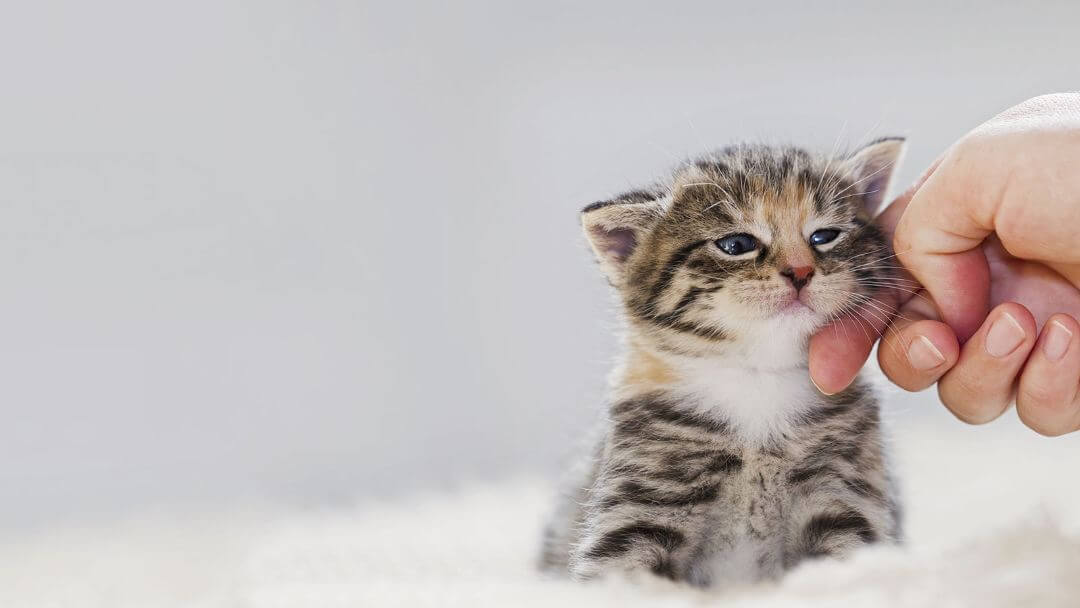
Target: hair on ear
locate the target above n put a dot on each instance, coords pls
(616, 227)
(872, 169)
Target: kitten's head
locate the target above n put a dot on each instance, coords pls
(750, 243)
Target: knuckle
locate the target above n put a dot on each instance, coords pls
(962, 408)
(906, 381)
(1044, 410)
(1040, 422)
(972, 145)
(964, 386)
(1045, 103)
(1040, 396)
(969, 401)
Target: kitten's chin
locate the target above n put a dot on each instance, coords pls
(795, 307)
(780, 341)
(795, 318)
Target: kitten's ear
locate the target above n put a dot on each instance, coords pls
(872, 168)
(615, 228)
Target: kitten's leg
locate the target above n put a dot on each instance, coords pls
(631, 540)
(564, 528)
(640, 522)
(839, 505)
(660, 477)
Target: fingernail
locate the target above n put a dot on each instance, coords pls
(819, 389)
(1004, 336)
(923, 355)
(1057, 341)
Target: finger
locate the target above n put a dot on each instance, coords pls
(1030, 153)
(918, 348)
(981, 384)
(839, 350)
(938, 235)
(1047, 398)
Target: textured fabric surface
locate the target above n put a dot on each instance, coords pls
(992, 520)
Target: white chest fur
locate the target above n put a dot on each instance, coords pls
(759, 384)
(759, 403)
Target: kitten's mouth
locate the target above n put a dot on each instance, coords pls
(795, 306)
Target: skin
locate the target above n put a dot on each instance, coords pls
(991, 238)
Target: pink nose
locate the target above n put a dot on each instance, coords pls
(798, 275)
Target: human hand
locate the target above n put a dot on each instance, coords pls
(990, 234)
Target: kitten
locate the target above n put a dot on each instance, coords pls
(719, 461)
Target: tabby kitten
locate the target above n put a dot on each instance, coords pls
(719, 461)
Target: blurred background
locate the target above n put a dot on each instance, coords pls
(313, 252)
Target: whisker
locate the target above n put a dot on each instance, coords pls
(888, 257)
(864, 178)
(838, 199)
(877, 250)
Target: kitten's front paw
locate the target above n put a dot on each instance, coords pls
(645, 562)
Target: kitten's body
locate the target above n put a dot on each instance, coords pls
(719, 461)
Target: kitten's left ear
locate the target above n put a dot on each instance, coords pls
(872, 169)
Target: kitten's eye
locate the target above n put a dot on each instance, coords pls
(737, 244)
(823, 236)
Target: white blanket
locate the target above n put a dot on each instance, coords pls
(993, 519)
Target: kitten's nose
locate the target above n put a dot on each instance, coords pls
(798, 275)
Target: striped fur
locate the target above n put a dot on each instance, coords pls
(718, 460)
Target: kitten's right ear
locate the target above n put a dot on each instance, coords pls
(615, 228)
(872, 168)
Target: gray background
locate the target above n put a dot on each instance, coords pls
(313, 251)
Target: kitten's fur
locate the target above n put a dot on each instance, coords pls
(719, 461)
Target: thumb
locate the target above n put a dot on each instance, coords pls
(938, 235)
